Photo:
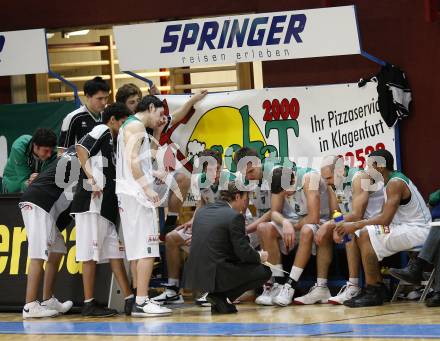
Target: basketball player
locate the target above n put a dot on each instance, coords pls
(137, 199)
(403, 223)
(361, 199)
(95, 207)
(297, 211)
(45, 207)
(82, 120)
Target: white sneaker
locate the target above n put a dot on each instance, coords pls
(35, 310)
(266, 298)
(149, 309)
(285, 295)
(347, 292)
(53, 304)
(316, 294)
(169, 297)
(202, 301)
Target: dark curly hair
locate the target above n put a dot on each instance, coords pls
(44, 137)
(93, 86)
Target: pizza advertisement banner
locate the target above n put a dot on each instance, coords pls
(303, 124)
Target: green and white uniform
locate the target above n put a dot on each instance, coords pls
(260, 196)
(210, 193)
(295, 206)
(409, 227)
(137, 212)
(375, 198)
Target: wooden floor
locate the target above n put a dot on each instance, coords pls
(400, 321)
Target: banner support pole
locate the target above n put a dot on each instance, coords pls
(70, 84)
(143, 79)
(373, 58)
(61, 78)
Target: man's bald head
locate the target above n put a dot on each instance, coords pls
(332, 170)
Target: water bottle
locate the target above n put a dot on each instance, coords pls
(338, 218)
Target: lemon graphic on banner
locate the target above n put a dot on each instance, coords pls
(225, 128)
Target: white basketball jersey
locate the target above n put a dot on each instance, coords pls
(375, 199)
(295, 206)
(125, 182)
(415, 213)
(261, 200)
(211, 193)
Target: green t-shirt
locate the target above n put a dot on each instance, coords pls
(434, 198)
(21, 164)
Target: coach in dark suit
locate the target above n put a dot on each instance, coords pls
(221, 261)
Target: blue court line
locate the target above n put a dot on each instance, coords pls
(151, 327)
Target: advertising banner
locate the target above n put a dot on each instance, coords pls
(23, 52)
(14, 262)
(320, 32)
(301, 123)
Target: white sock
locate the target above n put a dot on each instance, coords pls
(89, 300)
(296, 273)
(322, 282)
(174, 282)
(277, 270)
(354, 281)
(128, 297)
(141, 299)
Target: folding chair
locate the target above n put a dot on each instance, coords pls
(428, 283)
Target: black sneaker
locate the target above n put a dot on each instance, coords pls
(359, 295)
(385, 292)
(433, 301)
(129, 302)
(369, 297)
(93, 309)
(412, 274)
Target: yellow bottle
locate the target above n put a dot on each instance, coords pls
(338, 217)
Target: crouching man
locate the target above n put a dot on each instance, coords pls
(221, 260)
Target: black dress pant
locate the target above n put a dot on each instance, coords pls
(255, 279)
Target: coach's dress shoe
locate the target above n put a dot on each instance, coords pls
(219, 304)
(412, 274)
(230, 309)
(434, 301)
(369, 297)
